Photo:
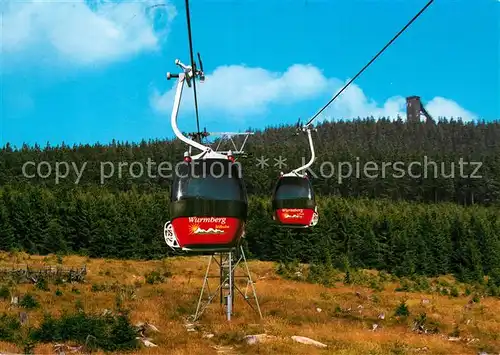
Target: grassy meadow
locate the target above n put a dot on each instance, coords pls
(458, 318)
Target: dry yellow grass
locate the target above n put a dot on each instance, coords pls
(289, 308)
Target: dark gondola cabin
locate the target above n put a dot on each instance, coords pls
(208, 206)
(294, 204)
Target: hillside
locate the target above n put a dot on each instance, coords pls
(429, 244)
(458, 318)
(447, 161)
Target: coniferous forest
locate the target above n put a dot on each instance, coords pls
(436, 211)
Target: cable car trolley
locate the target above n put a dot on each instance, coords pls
(293, 202)
(208, 207)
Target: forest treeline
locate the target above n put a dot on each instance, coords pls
(444, 161)
(401, 237)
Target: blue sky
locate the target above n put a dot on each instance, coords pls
(86, 72)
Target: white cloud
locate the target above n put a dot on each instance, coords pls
(82, 32)
(238, 90)
(441, 107)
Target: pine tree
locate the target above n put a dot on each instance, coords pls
(7, 237)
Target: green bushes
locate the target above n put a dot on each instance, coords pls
(157, 277)
(29, 301)
(42, 284)
(109, 333)
(4, 292)
(402, 309)
(9, 328)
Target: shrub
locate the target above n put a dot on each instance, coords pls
(455, 332)
(376, 286)
(155, 277)
(321, 274)
(42, 284)
(4, 292)
(402, 309)
(9, 327)
(384, 276)
(467, 291)
(109, 333)
(29, 302)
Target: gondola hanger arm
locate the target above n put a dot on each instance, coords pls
(308, 128)
(185, 76)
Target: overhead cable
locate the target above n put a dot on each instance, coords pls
(371, 61)
(193, 66)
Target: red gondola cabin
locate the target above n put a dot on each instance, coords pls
(208, 206)
(294, 203)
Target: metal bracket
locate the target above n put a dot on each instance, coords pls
(228, 136)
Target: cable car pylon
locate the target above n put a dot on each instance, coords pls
(226, 266)
(208, 204)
